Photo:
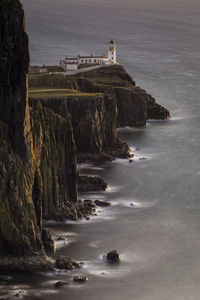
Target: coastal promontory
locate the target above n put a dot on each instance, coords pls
(64, 118)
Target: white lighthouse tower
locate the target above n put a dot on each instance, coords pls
(112, 55)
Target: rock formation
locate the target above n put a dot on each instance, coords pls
(106, 98)
(134, 104)
(37, 155)
(39, 139)
(19, 231)
(93, 120)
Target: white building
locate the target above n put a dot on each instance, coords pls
(72, 63)
(43, 70)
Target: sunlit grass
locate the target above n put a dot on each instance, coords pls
(58, 93)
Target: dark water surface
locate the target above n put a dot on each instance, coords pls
(159, 239)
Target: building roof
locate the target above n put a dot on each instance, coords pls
(71, 58)
(100, 56)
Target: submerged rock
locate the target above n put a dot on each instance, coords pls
(88, 202)
(60, 284)
(102, 203)
(5, 278)
(113, 256)
(61, 238)
(20, 294)
(80, 278)
(67, 263)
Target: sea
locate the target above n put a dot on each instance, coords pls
(154, 219)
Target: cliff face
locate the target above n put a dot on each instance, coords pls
(14, 62)
(37, 154)
(19, 233)
(93, 120)
(54, 150)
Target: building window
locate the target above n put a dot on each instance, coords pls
(86, 60)
(95, 60)
(112, 53)
(82, 60)
(89, 60)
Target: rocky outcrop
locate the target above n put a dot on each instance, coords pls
(134, 104)
(67, 263)
(91, 183)
(153, 109)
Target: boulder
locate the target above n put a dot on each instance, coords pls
(102, 203)
(67, 263)
(88, 202)
(113, 256)
(91, 183)
(80, 278)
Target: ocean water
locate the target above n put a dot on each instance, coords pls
(159, 237)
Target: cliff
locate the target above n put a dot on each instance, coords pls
(54, 150)
(37, 156)
(93, 118)
(39, 140)
(19, 232)
(134, 105)
(98, 102)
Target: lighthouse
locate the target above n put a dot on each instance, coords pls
(112, 57)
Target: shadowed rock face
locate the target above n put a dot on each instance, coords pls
(153, 109)
(37, 153)
(14, 63)
(54, 150)
(19, 233)
(94, 125)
